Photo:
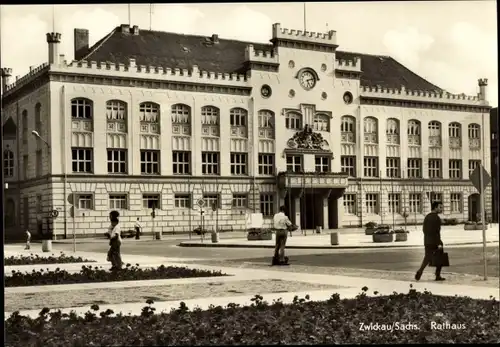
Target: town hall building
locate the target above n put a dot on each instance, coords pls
(147, 119)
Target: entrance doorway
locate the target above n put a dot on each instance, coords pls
(311, 214)
(474, 207)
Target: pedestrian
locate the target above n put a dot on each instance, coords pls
(138, 229)
(432, 239)
(281, 224)
(28, 239)
(115, 242)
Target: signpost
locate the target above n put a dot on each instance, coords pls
(201, 204)
(153, 215)
(480, 179)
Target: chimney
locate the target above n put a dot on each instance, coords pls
(215, 38)
(135, 30)
(6, 75)
(53, 39)
(483, 90)
(81, 38)
(125, 28)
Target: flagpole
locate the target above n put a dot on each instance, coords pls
(129, 15)
(305, 17)
(481, 185)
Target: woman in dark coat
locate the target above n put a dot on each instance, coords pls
(115, 242)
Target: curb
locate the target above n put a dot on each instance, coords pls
(219, 245)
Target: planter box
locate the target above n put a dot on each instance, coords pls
(334, 238)
(383, 237)
(470, 227)
(370, 231)
(261, 237)
(401, 237)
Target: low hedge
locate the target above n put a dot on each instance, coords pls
(89, 274)
(399, 318)
(35, 259)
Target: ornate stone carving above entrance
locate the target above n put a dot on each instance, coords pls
(307, 139)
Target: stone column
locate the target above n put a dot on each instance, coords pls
(297, 211)
(326, 224)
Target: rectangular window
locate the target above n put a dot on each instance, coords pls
(455, 169)
(150, 162)
(371, 203)
(239, 163)
(473, 164)
(117, 161)
(267, 204)
(150, 200)
(371, 166)
(435, 168)
(322, 163)
(85, 201)
(25, 166)
(210, 163)
(211, 200)
(118, 201)
(350, 203)
(181, 162)
(293, 121)
(348, 165)
(82, 159)
(456, 202)
(39, 163)
(414, 168)
(266, 164)
(415, 202)
(436, 197)
(393, 167)
(182, 200)
(294, 163)
(240, 200)
(394, 203)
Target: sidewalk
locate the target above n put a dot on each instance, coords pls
(451, 236)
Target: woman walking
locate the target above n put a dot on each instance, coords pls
(115, 242)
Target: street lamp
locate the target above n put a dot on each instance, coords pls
(37, 135)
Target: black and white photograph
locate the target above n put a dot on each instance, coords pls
(261, 173)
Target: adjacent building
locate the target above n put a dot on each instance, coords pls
(495, 140)
(147, 119)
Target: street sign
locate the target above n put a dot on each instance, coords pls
(54, 213)
(476, 175)
(201, 202)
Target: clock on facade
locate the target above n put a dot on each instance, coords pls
(307, 79)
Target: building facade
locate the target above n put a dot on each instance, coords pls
(339, 138)
(494, 163)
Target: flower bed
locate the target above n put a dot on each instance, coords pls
(35, 259)
(259, 234)
(401, 235)
(416, 318)
(98, 274)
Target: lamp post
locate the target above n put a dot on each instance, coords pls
(37, 135)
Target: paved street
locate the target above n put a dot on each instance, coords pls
(464, 259)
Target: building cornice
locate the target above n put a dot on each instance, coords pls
(307, 46)
(409, 103)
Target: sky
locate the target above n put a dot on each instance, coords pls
(450, 43)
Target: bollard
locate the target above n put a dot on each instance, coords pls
(46, 245)
(157, 235)
(334, 238)
(318, 229)
(215, 237)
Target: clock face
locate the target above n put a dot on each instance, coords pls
(307, 80)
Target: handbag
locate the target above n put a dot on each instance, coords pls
(440, 258)
(292, 227)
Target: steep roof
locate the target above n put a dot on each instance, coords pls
(174, 50)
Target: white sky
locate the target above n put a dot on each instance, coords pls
(451, 44)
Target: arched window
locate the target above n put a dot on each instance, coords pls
(348, 129)
(38, 117)
(8, 163)
(25, 126)
(392, 131)
(149, 112)
(321, 122)
(434, 128)
(474, 131)
(81, 108)
(116, 110)
(370, 128)
(293, 120)
(238, 117)
(414, 131)
(181, 114)
(210, 119)
(455, 130)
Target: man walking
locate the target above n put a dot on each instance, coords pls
(432, 239)
(138, 229)
(280, 224)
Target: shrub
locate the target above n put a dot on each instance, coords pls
(97, 274)
(370, 225)
(414, 317)
(259, 231)
(35, 259)
(401, 231)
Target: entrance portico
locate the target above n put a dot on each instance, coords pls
(311, 200)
